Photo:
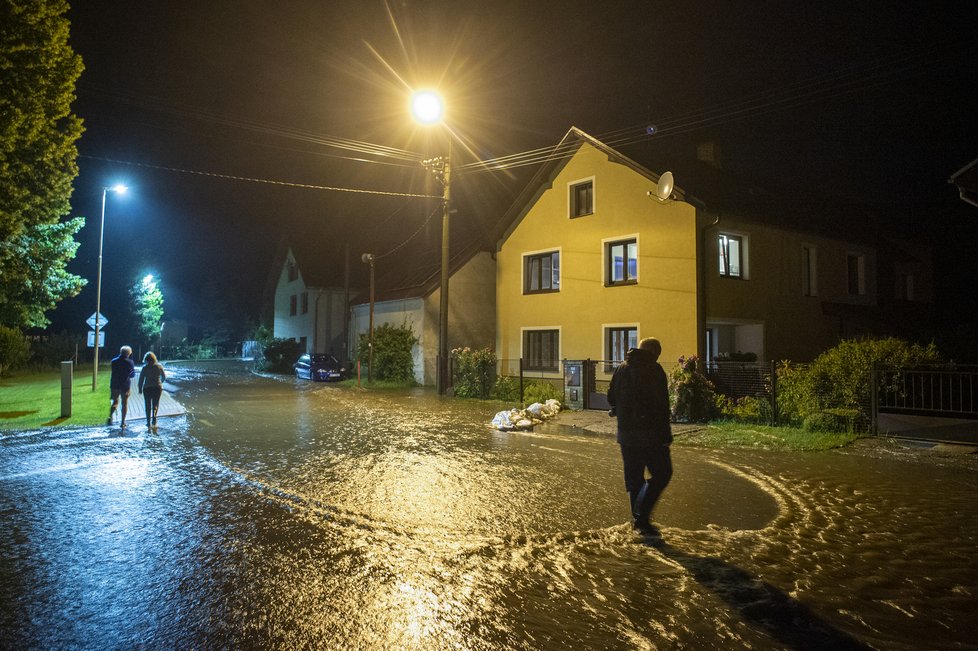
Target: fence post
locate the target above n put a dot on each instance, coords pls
(521, 382)
(66, 379)
(774, 393)
(874, 399)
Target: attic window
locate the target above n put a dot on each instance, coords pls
(582, 198)
(293, 271)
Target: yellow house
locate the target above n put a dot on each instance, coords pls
(593, 261)
(590, 263)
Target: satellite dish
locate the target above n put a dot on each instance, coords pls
(664, 189)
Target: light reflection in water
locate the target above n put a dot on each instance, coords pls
(285, 515)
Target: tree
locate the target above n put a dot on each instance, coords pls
(147, 305)
(38, 134)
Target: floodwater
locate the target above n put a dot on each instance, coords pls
(285, 515)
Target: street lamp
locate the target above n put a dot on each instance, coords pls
(118, 189)
(428, 108)
(368, 258)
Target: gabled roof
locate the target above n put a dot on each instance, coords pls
(419, 281)
(561, 154)
(966, 179)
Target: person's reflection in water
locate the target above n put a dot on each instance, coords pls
(759, 603)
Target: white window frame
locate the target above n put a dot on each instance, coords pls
(560, 344)
(570, 197)
(606, 259)
(605, 340)
(744, 253)
(560, 270)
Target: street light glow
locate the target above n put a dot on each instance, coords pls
(119, 188)
(427, 107)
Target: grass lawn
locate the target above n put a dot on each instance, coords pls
(33, 400)
(720, 434)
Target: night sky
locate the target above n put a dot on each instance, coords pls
(870, 104)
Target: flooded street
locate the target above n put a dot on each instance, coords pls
(297, 515)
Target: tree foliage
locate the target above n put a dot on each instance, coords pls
(839, 380)
(38, 132)
(393, 358)
(15, 350)
(691, 392)
(147, 305)
(474, 372)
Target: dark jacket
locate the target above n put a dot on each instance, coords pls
(639, 394)
(123, 368)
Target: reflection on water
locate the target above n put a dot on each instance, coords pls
(284, 515)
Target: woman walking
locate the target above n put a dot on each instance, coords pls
(151, 386)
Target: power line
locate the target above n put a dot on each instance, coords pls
(291, 184)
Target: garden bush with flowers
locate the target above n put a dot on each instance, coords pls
(691, 393)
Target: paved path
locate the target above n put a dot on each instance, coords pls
(137, 408)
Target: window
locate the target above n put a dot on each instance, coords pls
(905, 289)
(809, 260)
(582, 198)
(617, 342)
(292, 304)
(856, 274)
(293, 271)
(305, 302)
(731, 255)
(622, 259)
(541, 273)
(541, 349)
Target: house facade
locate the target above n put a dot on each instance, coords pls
(593, 262)
(591, 265)
(310, 314)
(413, 300)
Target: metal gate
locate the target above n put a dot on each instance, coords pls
(935, 403)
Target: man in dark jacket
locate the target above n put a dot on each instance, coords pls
(123, 368)
(639, 396)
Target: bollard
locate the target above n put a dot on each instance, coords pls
(66, 389)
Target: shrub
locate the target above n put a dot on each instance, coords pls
(691, 393)
(278, 355)
(540, 391)
(15, 349)
(748, 409)
(51, 350)
(393, 359)
(474, 372)
(840, 378)
(507, 389)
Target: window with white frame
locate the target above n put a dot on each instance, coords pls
(305, 302)
(809, 270)
(622, 262)
(293, 271)
(856, 274)
(582, 198)
(541, 350)
(618, 339)
(292, 305)
(541, 272)
(731, 255)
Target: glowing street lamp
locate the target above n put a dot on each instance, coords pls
(427, 108)
(118, 189)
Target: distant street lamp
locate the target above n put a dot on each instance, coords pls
(368, 258)
(428, 108)
(118, 189)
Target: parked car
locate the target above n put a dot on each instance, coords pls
(320, 367)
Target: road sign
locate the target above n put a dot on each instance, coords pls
(102, 321)
(101, 338)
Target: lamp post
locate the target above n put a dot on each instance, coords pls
(118, 189)
(369, 259)
(427, 108)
